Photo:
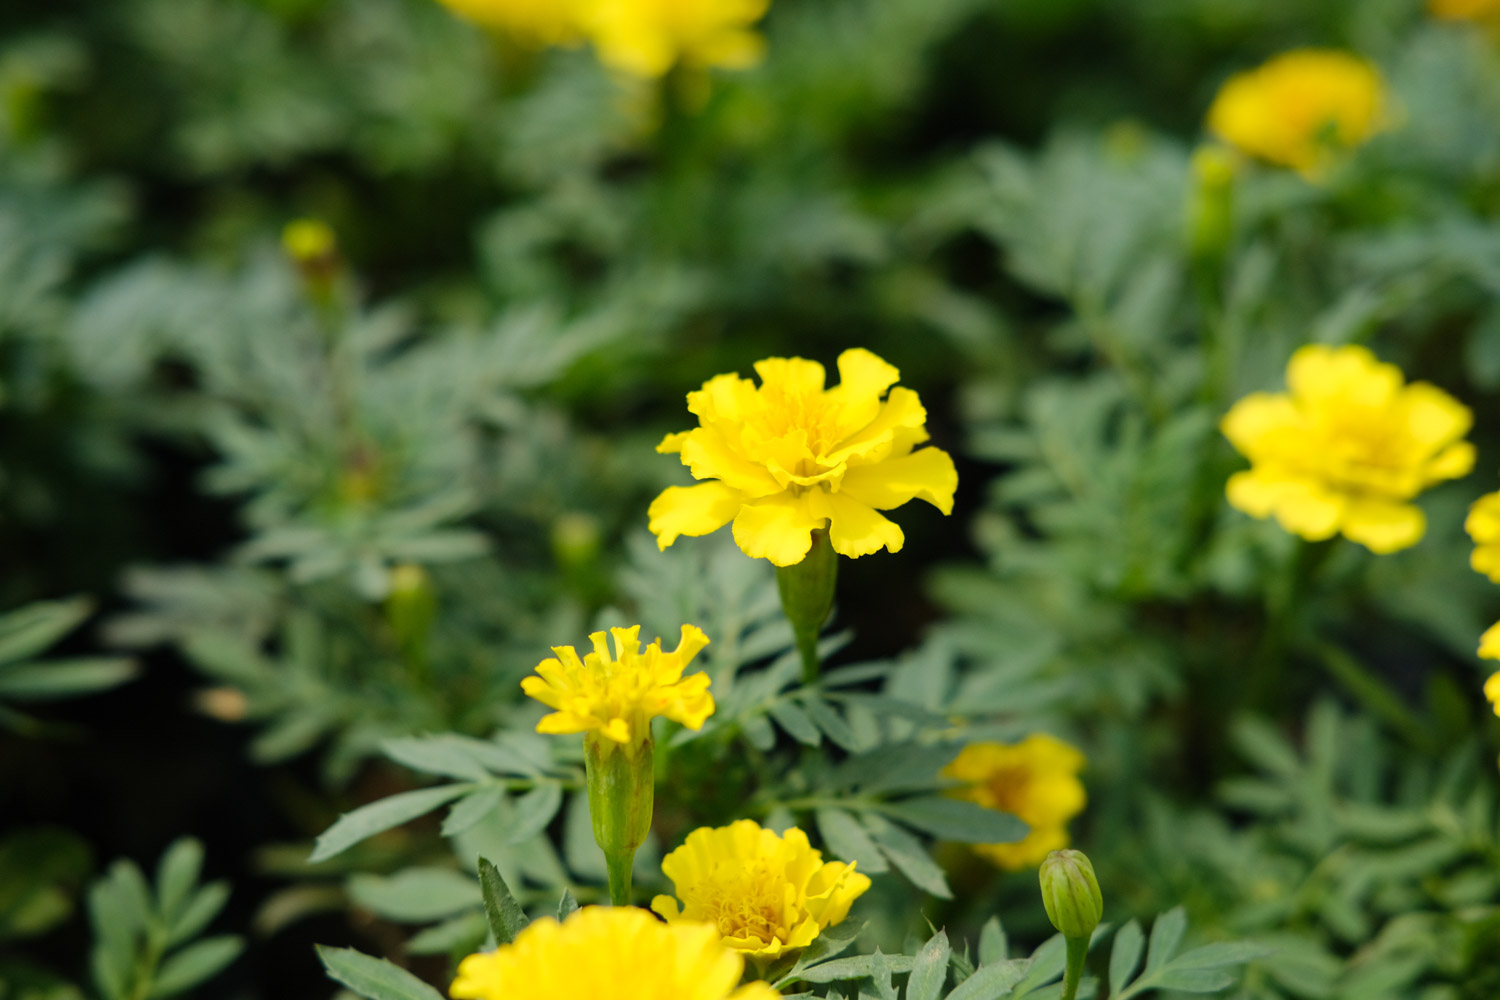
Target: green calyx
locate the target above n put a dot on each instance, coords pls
(622, 786)
(807, 598)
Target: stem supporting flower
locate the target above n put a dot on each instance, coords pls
(622, 787)
(807, 597)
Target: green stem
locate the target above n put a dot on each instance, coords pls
(807, 598)
(1078, 950)
(620, 866)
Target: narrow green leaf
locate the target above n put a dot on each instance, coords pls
(956, 819)
(1192, 980)
(831, 722)
(195, 964)
(851, 968)
(846, 839)
(448, 756)
(1166, 936)
(373, 978)
(1125, 956)
(909, 855)
(880, 975)
(415, 895)
(50, 679)
(505, 915)
(176, 875)
(471, 810)
(993, 946)
(929, 972)
(32, 629)
(534, 811)
(377, 817)
(199, 912)
(992, 981)
(1221, 953)
(567, 906)
(790, 716)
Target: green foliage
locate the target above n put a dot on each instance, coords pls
(31, 630)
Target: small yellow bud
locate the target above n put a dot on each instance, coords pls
(309, 241)
(1070, 893)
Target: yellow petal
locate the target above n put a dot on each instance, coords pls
(857, 529)
(666, 907)
(1489, 647)
(778, 528)
(1492, 691)
(902, 410)
(1454, 462)
(1483, 522)
(1258, 416)
(794, 376)
(1384, 527)
(928, 474)
(1486, 559)
(1349, 375)
(692, 510)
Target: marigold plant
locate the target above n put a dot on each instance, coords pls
(648, 37)
(765, 894)
(1302, 108)
(618, 952)
(1347, 449)
(1465, 10)
(1035, 780)
(789, 456)
(616, 696)
(529, 22)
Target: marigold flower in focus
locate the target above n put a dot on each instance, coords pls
(788, 456)
(646, 38)
(1465, 10)
(764, 894)
(1302, 108)
(619, 952)
(1347, 449)
(535, 23)
(617, 696)
(1035, 780)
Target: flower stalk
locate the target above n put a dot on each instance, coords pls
(622, 788)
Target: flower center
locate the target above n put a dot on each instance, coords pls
(747, 906)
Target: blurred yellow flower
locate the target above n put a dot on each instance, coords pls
(1492, 691)
(308, 240)
(647, 38)
(789, 456)
(621, 952)
(617, 696)
(765, 894)
(1489, 647)
(1347, 449)
(1302, 108)
(1483, 526)
(529, 22)
(1465, 10)
(1035, 780)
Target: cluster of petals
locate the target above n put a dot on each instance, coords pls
(1301, 109)
(764, 894)
(644, 38)
(622, 953)
(1347, 449)
(1035, 780)
(789, 457)
(616, 696)
(1466, 10)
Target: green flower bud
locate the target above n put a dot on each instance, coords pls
(622, 789)
(1211, 209)
(1070, 892)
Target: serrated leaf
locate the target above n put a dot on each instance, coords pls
(377, 817)
(534, 810)
(851, 968)
(195, 964)
(957, 819)
(1125, 956)
(929, 971)
(992, 981)
(505, 916)
(847, 840)
(1166, 936)
(373, 978)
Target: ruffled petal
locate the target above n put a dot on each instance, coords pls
(928, 474)
(902, 409)
(692, 510)
(778, 528)
(1258, 419)
(1349, 375)
(793, 376)
(1453, 462)
(1384, 527)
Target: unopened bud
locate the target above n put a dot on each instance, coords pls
(1070, 893)
(1211, 212)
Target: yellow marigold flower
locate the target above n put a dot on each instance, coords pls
(1483, 526)
(1465, 10)
(1035, 780)
(618, 696)
(1489, 649)
(1302, 108)
(647, 38)
(530, 22)
(619, 952)
(789, 456)
(1347, 449)
(765, 894)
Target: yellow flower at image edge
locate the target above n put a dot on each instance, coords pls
(531, 22)
(764, 894)
(616, 696)
(1347, 449)
(1302, 108)
(1035, 780)
(1483, 526)
(619, 953)
(789, 457)
(1465, 10)
(647, 38)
